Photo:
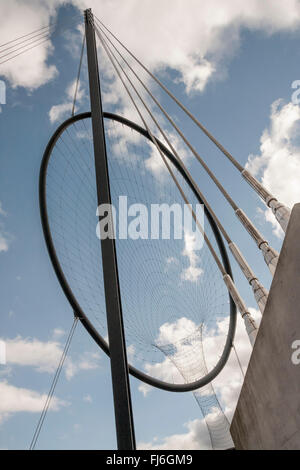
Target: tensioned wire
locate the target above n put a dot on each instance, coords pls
(40, 31)
(246, 269)
(209, 135)
(53, 385)
(166, 115)
(119, 70)
(34, 40)
(153, 291)
(139, 342)
(254, 184)
(129, 87)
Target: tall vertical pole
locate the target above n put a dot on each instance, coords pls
(117, 347)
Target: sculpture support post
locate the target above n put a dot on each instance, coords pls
(117, 346)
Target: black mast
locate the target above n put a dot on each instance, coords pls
(118, 357)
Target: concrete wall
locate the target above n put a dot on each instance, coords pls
(268, 411)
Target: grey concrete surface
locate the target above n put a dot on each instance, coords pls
(268, 411)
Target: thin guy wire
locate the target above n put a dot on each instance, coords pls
(44, 33)
(209, 135)
(29, 34)
(238, 359)
(25, 49)
(78, 76)
(168, 166)
(128, 261)
(47, 35)
(53, 385)
(211, 174)
(36, 31)
(263, 193)
(221, 227)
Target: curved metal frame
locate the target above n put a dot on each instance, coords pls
(68, 292)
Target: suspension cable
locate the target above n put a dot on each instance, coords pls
(47, 35)
(238, 360)
(41, 38)
(53, 385)
(270, 255)
(28, 34)
(281, 212)
(260, 293)
(43, 34)
(78, 76)
(25, 50)
(161, 153)
(39, 30)
(249, 321)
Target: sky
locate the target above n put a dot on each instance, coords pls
(233, 65)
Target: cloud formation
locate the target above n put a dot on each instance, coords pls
(195, 438)
(5, 238)
(207, 36)
(45, 356)
(17, 399)
(58, 111)
(227, 385)
(193, 271)
(278, 163)
(17, 18)
(198, 51)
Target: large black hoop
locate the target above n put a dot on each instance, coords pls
(67, 290)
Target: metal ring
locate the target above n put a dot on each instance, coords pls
(68, 292)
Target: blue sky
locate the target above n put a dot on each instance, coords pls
(254, 70)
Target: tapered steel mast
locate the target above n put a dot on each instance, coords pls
(117, 346)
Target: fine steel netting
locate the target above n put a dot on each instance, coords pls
(165, 286)
(187, 355)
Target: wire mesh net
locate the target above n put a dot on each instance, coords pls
(168, 289)
(187, 355)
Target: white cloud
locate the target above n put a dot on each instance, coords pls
(172, 333)
(155, 162)
(194, 439)
(89, 361)
(207, 35)
(198, 50)
(16, 399)
(193, 271)
(4, 243)
(131, 353)
(58, 333)
(5, 237)
(73, 40)
(278, 164)
(31, 69)
(58, 111)
(45, 356)
(170, 339)
(228, 383)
